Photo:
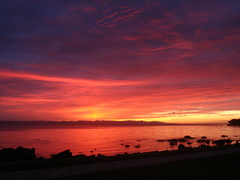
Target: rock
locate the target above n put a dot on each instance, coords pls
(25, 153)
(127, 146)
(228, 141)
(188, 137)
(189, 143)
(173, 143)
(173, 140)
(219, 142)
(182, 140)
(20, 153)
(181, 146)
(201, 141)
(100, 155)
(81, 155)
(204, 137)
(137, 146)
(64, 154)
(224, 135)
(159, 140)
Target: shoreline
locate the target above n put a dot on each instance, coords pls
(57, 168)
(124, 164)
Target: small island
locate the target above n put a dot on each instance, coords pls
(234, 122)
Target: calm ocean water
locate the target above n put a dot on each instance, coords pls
(109, 140)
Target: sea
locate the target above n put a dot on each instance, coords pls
(109, 140)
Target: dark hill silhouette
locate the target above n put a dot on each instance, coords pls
(234, 122)
(4, 125)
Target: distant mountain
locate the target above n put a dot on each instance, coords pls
(74, 124)
(234, 122)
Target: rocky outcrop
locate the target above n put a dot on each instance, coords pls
(20, 153)
(234, 122)
(64, 154)
(181, 146)
(188, 137)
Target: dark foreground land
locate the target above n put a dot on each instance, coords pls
(221, 162)
(218, 167)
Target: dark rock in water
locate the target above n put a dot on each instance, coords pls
(201, 141)
(100, 155)
(182, 140)
(137, 146)
(173, 143)
(81, 155)
(64, 154)
(202, 145)
(127, 146)
(228, 141)
(159, 140)
(20, 153)
(224, 136)
(204, 137)
(222, 142)
(219, 142)
(189, 143)
(188, 137)
(207, 141)
(173, 140)
(181, 146)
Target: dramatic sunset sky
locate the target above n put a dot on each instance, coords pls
(156, 60)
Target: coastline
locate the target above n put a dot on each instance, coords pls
(109, 164)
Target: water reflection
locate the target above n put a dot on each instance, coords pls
(110, 140)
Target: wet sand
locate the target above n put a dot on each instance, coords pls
(129, 167)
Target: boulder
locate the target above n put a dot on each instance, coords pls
(188, 137)
(173, 143)
(201, 141)
(228, 141)
(137, 146)
(20, 153)
(224, 135)
(219, 142)
(64, 154)
(181, 146)
(182, 140)
(173, 140)
(101, 155)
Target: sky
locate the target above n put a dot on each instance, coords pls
(154, 60)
